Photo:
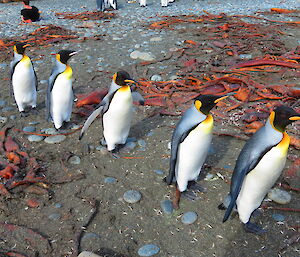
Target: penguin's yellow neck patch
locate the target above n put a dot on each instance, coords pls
(124, 89)
(68, 72)
(207, 125)
(284, 143)
(26, 61)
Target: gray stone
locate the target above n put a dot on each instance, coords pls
(2, 103)
(74, 160)
(142, 55)
(8, 109)
(50, 131)
(148, 250)
(169, 145)
(189, 217)
(130, 145)
(35, 138)
(110, 180)
(75, 126)
(44, 81)
(141, 143)
(33, 123)
(156, 78)
(58, 205)
(245, 56)
(54, 216)
(90, 235)
(159, 172)
(132, 196)
(12, 117)
(3, 119)
(279, 196)
(88, 254)
(174, 77)
(278, 217)
(167, 206)
(55, 139)
(131, 139)
(29, 129)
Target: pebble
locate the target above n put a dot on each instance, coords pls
(189, 217)
(169, 145)
(74, 160)
(54, 216)
(58, 205)
(156, 78)
(50, 131)
(132, 196)
(110, 180)
(141, 143)
(210, 177)
(88, 254)
(35, 138)
(44, 81)
(90, 235)
(3, 119)
(142, 55)
(55, 139)
(7, 109)
(245, 56)
(159, 172)
(167, 206)
(74, 126)
(148, 250)
(29, 129)
(12, 117)
(130, 145)
(279, 196)
(174, 77)
(2, 103)
(155, 39)
(33, 123)
(278, 217)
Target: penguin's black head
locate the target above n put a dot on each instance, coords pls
(204, 103)
(283, 116)
(26, 2)
(19, 48)
(122, 78)
(64, 55)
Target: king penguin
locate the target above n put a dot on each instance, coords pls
(116, 111)
(190, 144)
(259, 165)
(23, 79)
(60, 96)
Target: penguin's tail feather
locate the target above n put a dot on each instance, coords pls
(90, 120)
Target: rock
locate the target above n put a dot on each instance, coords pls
(33, 123)
(210, 177)
(50, 131)
(150, 134)
(74, 126)
(2, 103)
(58, 205)
(132, 196)
(88, 254)
(103, 150)
(189, 217)
(74, 160)
(91, 241)
(141, 143)
(156, 78)
(54, 216)
(90, 235)
(7, 109)
(174, 77)
(3, 119)
(155, 39)
(33, 203)
(245, 56)
(29, 129)
(55, 139)
(110, 180)
(12, 117)
(35, 138)
(148, 250)
(279, 196)
(44, 81)
(169, 145)
(167, 206)
(142, 55)
(130, 145)
(159, 172)
(278, 217)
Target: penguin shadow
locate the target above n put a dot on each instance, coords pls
(217, 154)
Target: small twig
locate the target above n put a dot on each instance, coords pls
(280, 208)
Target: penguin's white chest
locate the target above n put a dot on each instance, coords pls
(24, 84)
(61, 99)
(117, 119)
(259, 181)
(192, 153)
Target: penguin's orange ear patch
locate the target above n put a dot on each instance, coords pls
(198, 104)
(294, 118)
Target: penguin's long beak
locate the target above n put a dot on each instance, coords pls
(130, 81)
(224, 97)
(294, 118)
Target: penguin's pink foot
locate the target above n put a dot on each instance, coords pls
(190, 195)
(194, 186)
(253, 228)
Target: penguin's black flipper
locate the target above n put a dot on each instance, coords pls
(36, 80)
(137, 97)
(13, 65)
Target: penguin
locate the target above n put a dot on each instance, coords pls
(164, 3)
(190, 144)
(29, 13)
(60, 96)
(116, 111)
(106, 4)
(23, 79)
(259, 165)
